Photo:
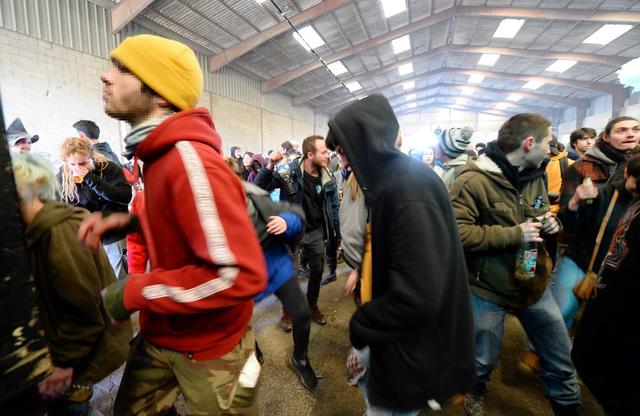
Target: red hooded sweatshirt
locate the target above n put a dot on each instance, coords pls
(206, 261)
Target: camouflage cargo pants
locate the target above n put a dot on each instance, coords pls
(154, 376)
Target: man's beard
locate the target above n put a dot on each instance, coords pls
(316, 166)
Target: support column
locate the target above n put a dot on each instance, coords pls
(617, 101)
(581, 114)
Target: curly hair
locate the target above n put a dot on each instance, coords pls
(72, 146)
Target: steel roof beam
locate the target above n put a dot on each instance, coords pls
(470, 97)
(600, 87)
(226, 57)
(371, 43)
(534, 109)
(470, 11)
(581, 57)
(457, 107)
(125, 11)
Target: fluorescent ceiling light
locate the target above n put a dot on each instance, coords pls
(533, 85)
(560, 65)
(310, 36)
(393, 7)
(408, 85)
(502, 106)
(353, 86)
(405, 69)
(402, 44)
(410, 97)
(514, 97)
(508, 28)
(337, 68)
(467, 91)
(475, 79)
(607, 34)
(488, 59)
(412, 105)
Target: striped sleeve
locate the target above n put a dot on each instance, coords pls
(210, 214)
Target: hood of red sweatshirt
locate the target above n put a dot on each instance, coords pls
(192, 125)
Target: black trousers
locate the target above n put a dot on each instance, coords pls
(311, 246)
(296, 305)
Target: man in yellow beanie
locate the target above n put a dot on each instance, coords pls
(196, 302)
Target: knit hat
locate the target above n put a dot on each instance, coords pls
(16, 131)
(169, 68)
(454, 141)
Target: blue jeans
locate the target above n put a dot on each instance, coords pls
(567, 274)
(545, 328)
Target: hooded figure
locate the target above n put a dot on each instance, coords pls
(257, 162)
(238, 159)
(418, 323)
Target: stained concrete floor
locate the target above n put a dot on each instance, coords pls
(281, 394)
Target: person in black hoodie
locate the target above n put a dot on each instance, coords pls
(418, 324)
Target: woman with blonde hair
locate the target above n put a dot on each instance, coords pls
(85, 346)
(91, 181)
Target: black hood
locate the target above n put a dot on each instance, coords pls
(367, 131)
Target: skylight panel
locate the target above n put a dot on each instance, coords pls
(508, 28)
(607, 34)
(308, 38)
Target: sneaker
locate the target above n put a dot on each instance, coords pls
(303, 272)
(305, 373)
(474, 404)
(529, 363)
(328, 278)
(340, 256)
(317, 316)
(285, 321)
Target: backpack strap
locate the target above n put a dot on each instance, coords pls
(564, 165)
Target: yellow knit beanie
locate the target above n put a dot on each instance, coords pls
(168, 67)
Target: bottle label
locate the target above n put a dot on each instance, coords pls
(529, 260)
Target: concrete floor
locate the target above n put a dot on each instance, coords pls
(281, 394)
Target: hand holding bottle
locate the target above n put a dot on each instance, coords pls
(585, 193)
(550, 224)
(531, 231)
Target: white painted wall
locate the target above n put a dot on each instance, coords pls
(50, 87)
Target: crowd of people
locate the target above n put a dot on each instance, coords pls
(440, 246)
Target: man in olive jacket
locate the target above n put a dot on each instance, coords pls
(502, 211)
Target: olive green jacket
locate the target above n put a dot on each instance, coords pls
(488, 211)
(68, 280)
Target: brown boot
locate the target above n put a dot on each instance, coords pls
(285, 321)
(317, 316)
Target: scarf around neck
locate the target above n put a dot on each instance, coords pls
(614, 155)
(518, 178)
(140, 132)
